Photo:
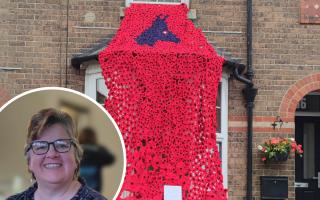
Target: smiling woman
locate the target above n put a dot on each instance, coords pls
(39, 140)
(53, 156)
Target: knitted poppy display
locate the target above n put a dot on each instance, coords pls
(163, 78)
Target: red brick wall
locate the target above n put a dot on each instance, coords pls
(287, 66)
(4, 96)
(33, 40)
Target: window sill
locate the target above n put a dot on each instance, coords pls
(192, 14)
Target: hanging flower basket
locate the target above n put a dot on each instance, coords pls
(281, 156)
(278, 149)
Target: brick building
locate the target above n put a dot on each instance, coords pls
(40, 38)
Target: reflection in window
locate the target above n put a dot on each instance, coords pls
(309, 148)
(101, 91)
(218, 110)
(219, 147)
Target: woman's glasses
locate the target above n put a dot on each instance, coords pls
(42, 147)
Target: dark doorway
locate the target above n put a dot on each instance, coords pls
(308, 167)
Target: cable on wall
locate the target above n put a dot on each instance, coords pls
(67, 42)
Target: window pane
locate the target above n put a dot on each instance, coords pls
(309, 149)
(101, 91)
(309, 103)
(219, 147)
(218, 110)
(218, 113)
(218, 103)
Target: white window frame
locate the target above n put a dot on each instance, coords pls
(223, 135)
(93, 72)
(128, 2)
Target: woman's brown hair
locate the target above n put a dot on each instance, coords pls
(44, 119)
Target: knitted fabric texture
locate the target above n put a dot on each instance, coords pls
(163, 77)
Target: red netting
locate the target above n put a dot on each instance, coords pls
(162, 94)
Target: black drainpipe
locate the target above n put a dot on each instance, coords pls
(249, 93)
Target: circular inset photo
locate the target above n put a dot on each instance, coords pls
(59, 142)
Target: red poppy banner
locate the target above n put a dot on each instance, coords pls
(163, 77)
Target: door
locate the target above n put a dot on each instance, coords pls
(307, 180)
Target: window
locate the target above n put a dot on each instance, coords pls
(94, 84)
(128, 2)
(222, 126)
